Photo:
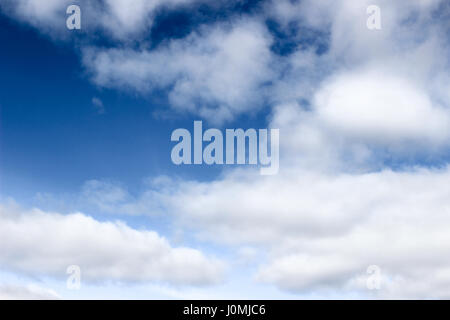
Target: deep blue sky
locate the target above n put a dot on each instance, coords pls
(52, 137)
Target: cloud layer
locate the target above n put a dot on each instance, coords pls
(41, 243)
(363, 117)
(118, 19)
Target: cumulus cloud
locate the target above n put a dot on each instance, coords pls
(322, 231)
(371, 95)
(330, 213)
(335, 207)
(217, 72)
(345, 23)
(378, 107)
(412, 42)
(361, 118)
(45, 244)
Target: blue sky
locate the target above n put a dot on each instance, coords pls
(47, 105)
(85, 123)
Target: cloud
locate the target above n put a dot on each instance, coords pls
(49, 17)
(113, 198)
(360, 103)
(45, 244)
(37, 11)
(377, 107)
(413, 34)
(336, 206)
(119, 19)
(125, 17)
(30, 292)
(98, 105)
(217, 72)
(344, 21)
(321, 231)
(317, 232)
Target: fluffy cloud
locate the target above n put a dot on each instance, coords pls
(345, 23)
(334, 209)
(217, 72)
(360, 118)
(377, 107)
(323, 230)
(41, 243)
(371, 96)
(331, 212)
(412, 42)
(320, 231)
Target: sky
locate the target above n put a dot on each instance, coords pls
(87, 180)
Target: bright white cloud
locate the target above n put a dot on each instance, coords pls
(45, 244)
(375, 106)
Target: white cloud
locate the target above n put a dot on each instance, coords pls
(377, 107)
(316, 233)
(412, 42)
(328, 215)
(124, 17)
(120, 19)
(48, 16)
(38, 11)
(323, 230)
(45, 244)
(30, 292)
(351, 41)
(217, 72)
